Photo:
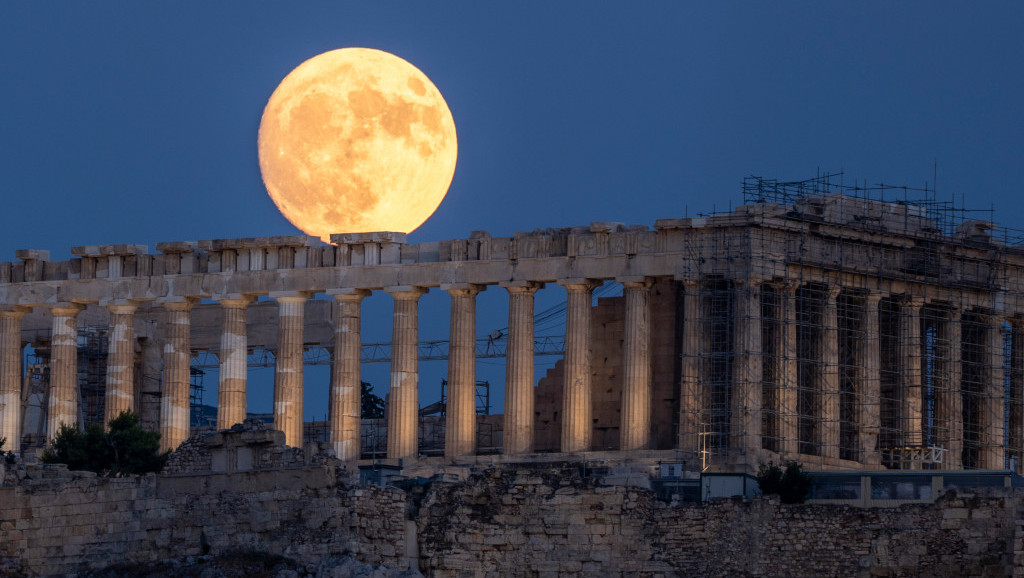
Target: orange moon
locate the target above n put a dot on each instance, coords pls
(357, 140)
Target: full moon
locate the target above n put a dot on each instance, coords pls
(357, 140)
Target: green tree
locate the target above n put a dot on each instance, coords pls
(792, 484)
(372, 404)
(125, 448)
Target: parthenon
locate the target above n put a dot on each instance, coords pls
(812, 324)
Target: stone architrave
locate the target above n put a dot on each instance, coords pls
(234, 353)
(10, 376)
(288, 382)
(63, 405)
(460, 413)
(174, 398)
(346, 375)
(576, 410)
(635, 429)
(403, 397)
(120, 395)
(518, 432)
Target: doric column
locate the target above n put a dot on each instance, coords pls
(346, 375)
(745, 405)
(288, 385)
(949, 396)
(234, 353)
(635, 430)
(789, 433)
(518, 431)
(403, 399)
(992, 404)
(692, 403)
(828, 394)
(460, 413)
(1017, 391)
(120, 361)
(576, 410)
(174, 398)
(63, 406)
(910, 371)
(10, 376)
(868, 393)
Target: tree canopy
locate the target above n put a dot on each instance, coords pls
(125, 448)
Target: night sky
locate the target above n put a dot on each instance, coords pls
(136, 122)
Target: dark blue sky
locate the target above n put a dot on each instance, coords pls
(124, 122)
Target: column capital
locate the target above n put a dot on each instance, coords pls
(873, 298)
(235, 300)
(636, 282)
(406, 292)
(126, 306)
(914, 301)
(349, 294)
(580, 284)
(221, 297)
(178, 303)
(65, 309)
(14, 311)
(686, 280)
(291, 296)
(751, 281)
(521, 287)
(463, 289)
(992, 317)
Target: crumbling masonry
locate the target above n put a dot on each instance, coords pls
(817, 325)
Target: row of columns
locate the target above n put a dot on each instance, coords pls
(746, 407)
(346, 391)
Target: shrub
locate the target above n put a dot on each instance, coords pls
(792, 484)
(125, 449)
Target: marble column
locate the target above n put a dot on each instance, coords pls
(949, 396)
(1016, 412)
(120, 361)
(346, 401)
(460, 413)
(991, 456)
(789, 433)
(234, 361)
(10, 376)
(288, 384)
(63, 405)
(576, 410)
(635, 429)
(868, 386)
(692, 402)
(828, 392)
(403, 398)
(745, 402)
(910, 371)
(519, 385)
(174, 398)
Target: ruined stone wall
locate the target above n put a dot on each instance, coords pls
(527, 522)
(61, 523)
(535, 522)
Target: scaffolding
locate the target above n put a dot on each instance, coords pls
(852, 326)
